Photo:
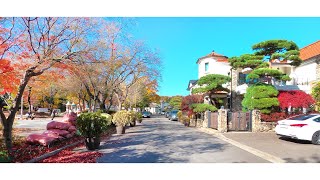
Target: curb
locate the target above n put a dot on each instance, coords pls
(249, 149)
(52, 153)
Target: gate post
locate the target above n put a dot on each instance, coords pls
(256, 120)
(222, 120)
(205, 122)
(209, 119)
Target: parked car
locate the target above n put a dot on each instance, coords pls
(167, 114)
(173, 115)
(303, 127)
(162, 112)
(146, 114)
(44, 110)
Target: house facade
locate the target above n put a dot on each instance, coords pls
(303, 77)
(213, 63)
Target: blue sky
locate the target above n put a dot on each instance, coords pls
(182, 41)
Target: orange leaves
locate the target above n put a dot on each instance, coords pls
(8, 80)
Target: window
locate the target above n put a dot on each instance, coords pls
(242, 79)
(206, 67)
(302, 117)
(317, 120)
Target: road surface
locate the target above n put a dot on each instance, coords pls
(158, 140)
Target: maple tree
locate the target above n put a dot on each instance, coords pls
(295, 99)
(187, 101)
(37, 45)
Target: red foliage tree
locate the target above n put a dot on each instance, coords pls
(187, 101)
(295, 98)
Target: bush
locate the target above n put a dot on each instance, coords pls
(132, 116)
(92, 124)
(179, 114)
(139, 116)
(274, 117)
(121, 118)
(260, 96)
(199, 108)
(108, 117)
(4, 157)
(277, 116)
(185, 120)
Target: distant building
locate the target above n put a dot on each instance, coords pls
(154, 108)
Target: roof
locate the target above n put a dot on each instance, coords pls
(310, 51)
(192, 82)
(218, 57)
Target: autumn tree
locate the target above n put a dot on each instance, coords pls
(295, 99)
(175, 102)
(39, 44)
(114, 65)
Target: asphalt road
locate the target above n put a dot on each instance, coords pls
(158, 140)
(291, 151)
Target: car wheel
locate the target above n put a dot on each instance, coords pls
(316, 138)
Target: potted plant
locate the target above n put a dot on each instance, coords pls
(179, 114)
(121, 119)
(91, 126)
(132, 118)
(185, 120)
(139, 117)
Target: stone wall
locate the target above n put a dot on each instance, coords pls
(205, 121)
(258, 125)
(192, 122)
(267, 126)
(199, 123)
(222, 120)
(256, 121)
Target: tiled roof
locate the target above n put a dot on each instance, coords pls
(310, 51)
(218, 57)
(192, 82)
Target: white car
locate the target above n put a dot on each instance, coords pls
(303, 127)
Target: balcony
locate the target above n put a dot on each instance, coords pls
(295, 84)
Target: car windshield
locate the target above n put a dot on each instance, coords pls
(174, 112)
(302, 117)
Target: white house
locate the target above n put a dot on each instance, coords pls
(212, 63)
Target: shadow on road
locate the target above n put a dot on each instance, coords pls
(158, 143)
(295, 140)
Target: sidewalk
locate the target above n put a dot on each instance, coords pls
(269, 146)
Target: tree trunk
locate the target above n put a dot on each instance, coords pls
(8, 122)
(29, 100)
(7, 134)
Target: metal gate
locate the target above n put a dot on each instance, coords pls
(239, 121)
(213, 120)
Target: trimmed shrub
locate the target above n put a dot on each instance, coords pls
(92, 124)
(121, 118)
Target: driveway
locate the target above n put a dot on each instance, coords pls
(158, 140)
(291, 151)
